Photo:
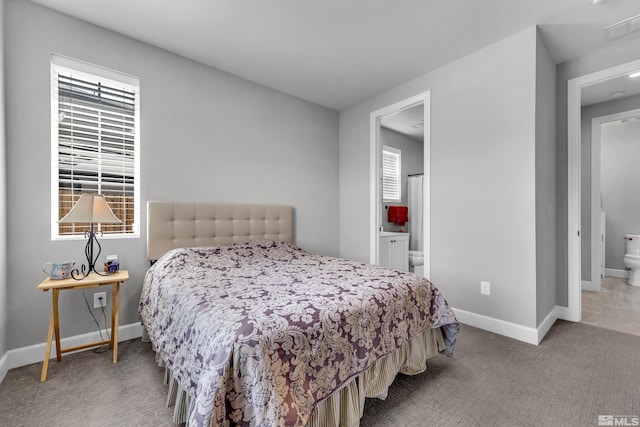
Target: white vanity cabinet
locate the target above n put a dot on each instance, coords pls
(394, 250)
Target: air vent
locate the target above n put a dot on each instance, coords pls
(622, 28)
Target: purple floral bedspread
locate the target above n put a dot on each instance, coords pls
(259, 332)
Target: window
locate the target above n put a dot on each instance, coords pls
(95, 145)
(391, 158)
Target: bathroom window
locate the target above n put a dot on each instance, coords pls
(95, 145)
(391, 158)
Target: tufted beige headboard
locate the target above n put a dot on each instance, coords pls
(177, 225)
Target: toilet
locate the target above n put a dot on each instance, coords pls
(416, 262)
(632, 257)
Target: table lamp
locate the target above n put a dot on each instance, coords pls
(92, 209)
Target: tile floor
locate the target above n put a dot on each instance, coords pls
(616, 306)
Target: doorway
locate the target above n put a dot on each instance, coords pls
(598, 209)
(574, 177)
(615, 180)
(376, 205)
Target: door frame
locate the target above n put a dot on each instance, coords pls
(574, 141)
(375, 205)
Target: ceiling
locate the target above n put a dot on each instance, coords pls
(610, 90)
(409, 122)
(337, 53)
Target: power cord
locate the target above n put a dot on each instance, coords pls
(104, 315)
(104, 347)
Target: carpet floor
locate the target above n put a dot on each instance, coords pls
(576, 374)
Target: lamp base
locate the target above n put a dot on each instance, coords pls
(84, 271)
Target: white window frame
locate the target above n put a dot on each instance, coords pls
(388, 172)
(108, 77)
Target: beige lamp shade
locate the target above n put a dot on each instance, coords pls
(92, 208)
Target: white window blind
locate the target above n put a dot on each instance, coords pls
(391, 158)
(95, 145)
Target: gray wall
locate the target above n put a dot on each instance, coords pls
(483, 177)
(545, 181)
(618, 52)
(412, 162)
(620, 185)
(587, 114)
(205, 136)
(3, 198)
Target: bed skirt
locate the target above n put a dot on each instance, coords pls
(345, 406)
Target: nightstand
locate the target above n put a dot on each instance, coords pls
(93, 280)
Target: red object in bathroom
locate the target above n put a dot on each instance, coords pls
(398, 214)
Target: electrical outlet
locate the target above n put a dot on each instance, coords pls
(97, 303)
(485, 288)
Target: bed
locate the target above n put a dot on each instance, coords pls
(255, 331)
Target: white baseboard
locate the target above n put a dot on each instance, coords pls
(564, 313)
(500, 327)
(612, 272)
(508, 329)
(35, 353)
(548, 321)
(3, 366)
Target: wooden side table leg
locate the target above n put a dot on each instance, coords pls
(56, 324)
(115, 309)
(47, 352)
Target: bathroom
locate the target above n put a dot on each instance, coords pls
(402, 144)
(611, 213)
(620, 149)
